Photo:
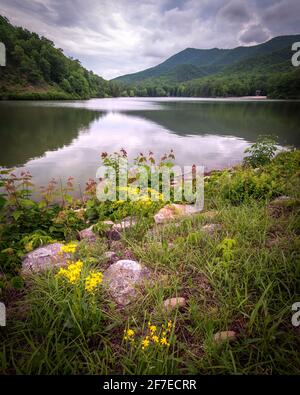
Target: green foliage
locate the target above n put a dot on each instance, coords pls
(244, 183)
(261, 152)
(243, 71)
(27, 224)
(243, 277)
(37, 70)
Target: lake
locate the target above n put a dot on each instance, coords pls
(65, 138)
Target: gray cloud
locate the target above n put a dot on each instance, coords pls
(235, 11)
(254, 34)
(124, 36)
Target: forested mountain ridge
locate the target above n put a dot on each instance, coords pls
(36, 69)
(210, 61)
(239, 71)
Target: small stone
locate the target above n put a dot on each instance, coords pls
(79, 210)
(115, 231)
(222, 336)
(111, 256)
(108, 223)
(43, 258)
(173, 303)
(126, 223)
(122, 277)
(174, 211)
(282, 204)
(211, 228)
(88, 234)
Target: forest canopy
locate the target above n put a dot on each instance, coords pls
(36, 69)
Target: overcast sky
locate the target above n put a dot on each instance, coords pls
(115, 37)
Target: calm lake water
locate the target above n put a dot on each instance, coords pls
(59, 139)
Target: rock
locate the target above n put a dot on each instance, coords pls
(115, 231)
(108, 223)
(122, 277)
(111, 256)
(174, 211)
(126, 223)
(282, 204)
(173, 303)
(280, 200)
(211, 228)
(43, 258)
(222, 336)
(88, 234)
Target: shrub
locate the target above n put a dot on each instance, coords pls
(261, 152)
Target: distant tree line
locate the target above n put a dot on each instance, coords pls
(274, 85)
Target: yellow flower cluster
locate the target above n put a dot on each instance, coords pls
(154, 336)
(145, 199)
(72, 273)
(129, 334)
(153, 193)
(145, 343)
(69, 248)
(92, 281)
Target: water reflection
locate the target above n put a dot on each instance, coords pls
(28, 131)
(58, 139)
(113, 131)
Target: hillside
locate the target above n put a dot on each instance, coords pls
(36, 69)
(253, 68)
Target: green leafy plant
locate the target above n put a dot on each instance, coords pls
(261, 152)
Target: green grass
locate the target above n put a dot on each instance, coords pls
(55, 328)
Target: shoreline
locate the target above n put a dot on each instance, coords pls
(64, 97)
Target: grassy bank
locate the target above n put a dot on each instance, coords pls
(244, 277)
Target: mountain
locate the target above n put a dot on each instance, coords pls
(192, 67)
(35, 69)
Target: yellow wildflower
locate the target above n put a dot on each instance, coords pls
(69, 248)
(92, 281)
(129, 334)
(145, 343)
(155, 338)
(170, 325)
(152, 328)
(164, 341)
(72, 273)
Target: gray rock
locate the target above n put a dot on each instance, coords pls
(282, 204)
(173, 303)
(108, 223)
(280, 199)
(111, 256)
(115, 231)
(121, 279)
(88, 234)
(174, 211)
(43, 258)
(223, 336)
